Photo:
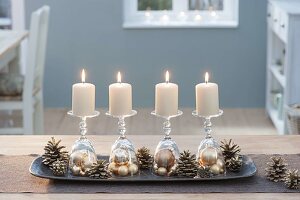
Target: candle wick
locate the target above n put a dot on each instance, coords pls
(206, 81)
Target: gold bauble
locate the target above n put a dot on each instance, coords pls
(82, 159)
(173, 168)
(208, 156)
(133, 169)
(87, 165)
(75, 170)
(162, 171)
(222, 171)
(215, 169)
(165, 158)
(221, 163)
(112, 167)
(82, 173)
(77, 158)
(123, 170)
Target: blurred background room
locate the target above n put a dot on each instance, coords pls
(249, 48)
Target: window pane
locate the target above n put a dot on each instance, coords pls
(205, 4)
(154, 4)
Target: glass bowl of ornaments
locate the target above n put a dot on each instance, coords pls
(210, 157)
(123, 161)
(82, 157)
(166, 158)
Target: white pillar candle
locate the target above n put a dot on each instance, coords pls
(120, 98)
(207, 98)
(166, 98)
(83, 97)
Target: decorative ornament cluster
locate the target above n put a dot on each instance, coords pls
(123, 162)
(58, 160)
(189, 167)
(211, 158)
(165, 162)
(277, 171)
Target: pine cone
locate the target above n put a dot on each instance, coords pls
(54, 152)
(292, 179)
(204, 172)
(276, 169)
(229, 149)
(235, 163)
(59, 168)
(144, 157)
(187, 165)
(99, 170)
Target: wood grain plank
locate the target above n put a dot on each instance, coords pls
(23, 145)
(233, 122)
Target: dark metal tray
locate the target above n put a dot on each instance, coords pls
(38, 169)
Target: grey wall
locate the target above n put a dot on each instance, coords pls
(89, 33)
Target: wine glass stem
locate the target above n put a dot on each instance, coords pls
(122, 128)
(83, 127)
(167, 129)
(207, 127)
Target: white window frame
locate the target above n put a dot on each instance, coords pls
(180, 16)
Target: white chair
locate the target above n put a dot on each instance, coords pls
(31, 101)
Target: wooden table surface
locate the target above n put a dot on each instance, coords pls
(10, 39)
(10, 49)
(23, 145)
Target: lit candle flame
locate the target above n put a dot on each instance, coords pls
(167, 76)
(119, 78)
(206, 77)
(83, 76)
